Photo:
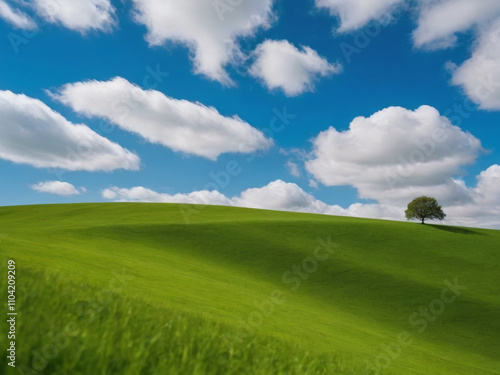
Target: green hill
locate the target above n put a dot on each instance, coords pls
(128, 288)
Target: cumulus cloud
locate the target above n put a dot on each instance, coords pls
(479, 76)
(34, 134)
(210, 29)
(57, 187)
(180, 125)
(16, 17)
(277, 195)
(483, 208)
(488, 187)
(284, 196)
(354, 14)
(142, 194)
(395, 155)
(440, 21)
(78, 15)
(280, 195)
(279, 64)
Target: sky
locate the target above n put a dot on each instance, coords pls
(341, 107)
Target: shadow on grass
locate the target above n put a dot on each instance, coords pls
(455, 229)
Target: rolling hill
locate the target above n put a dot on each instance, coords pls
(132, 288)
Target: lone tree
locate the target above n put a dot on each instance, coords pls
(424, 208)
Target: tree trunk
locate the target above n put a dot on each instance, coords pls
(423, 220)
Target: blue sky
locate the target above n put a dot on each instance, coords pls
(252, 104)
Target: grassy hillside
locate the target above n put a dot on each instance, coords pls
(135, 289)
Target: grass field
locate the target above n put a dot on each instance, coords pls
(126, 288)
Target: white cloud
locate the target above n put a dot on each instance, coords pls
(210, 29)
(440, 21)
(480, 75)
(283, 196)
(16, 17)
(488, 187)
(483, 208)
(438, 25)
(78, 15)
(293, 168)
(277, 195)
(141, 194)
(34, 134)
(180, 125)
(355, 14)
(57, 187)
(279, 64)
(396, 154)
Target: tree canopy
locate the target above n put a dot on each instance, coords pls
(424, 208)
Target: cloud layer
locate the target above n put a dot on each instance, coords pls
(439, 24)
(440, 21)
(16, 17)
(277, 195)
(142, 194)
(180, 125)
(279, 64)
(34, 134)
(479, 76)
(210, 29)
(58, 188)
(354, 14)
(78, 15)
